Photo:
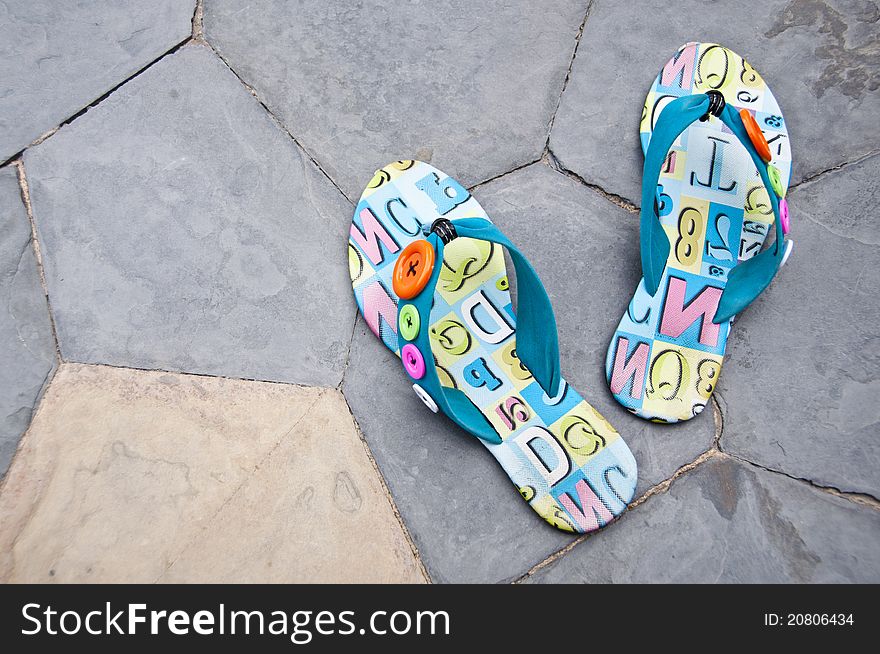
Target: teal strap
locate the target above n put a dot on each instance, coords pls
(537, 343)
(747, 279)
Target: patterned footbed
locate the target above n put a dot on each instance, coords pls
(567, 462)
(665, 358)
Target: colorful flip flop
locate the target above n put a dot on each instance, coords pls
(430, 280)
(717, 166)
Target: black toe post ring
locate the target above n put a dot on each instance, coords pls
(444, 228)
(716, 105)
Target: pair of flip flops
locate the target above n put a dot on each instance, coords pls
(430, 280)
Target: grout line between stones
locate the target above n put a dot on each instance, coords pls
(198, 374)
(620, 201)
(198, 22)
(550, 158)
(718, 416)
(37, 404)
(348, 352)
(827, 171)
(38, 253)
(387, 491)
(862, 499)
(577, 44)
(94, 103)
(495, 178)
(277, 120)
(106, 95)
(656, 489)
(197, 37)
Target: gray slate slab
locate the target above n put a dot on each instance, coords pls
(467, 86)
(819, 58)
(183, 230)
(467, 519)
(800, 389)
(58, 57)
(27, 347)
(730, 522)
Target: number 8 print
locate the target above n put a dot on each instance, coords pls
(514, 365)
(670, 372)
(660, 381)
(690, 227)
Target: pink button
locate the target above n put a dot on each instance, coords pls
(783, 216)
(413, 361)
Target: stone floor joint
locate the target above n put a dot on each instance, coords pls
(38, 255)
(833, 169)
(198, 22)
(499, 176)
(94, 103)
(656, 489)
(406, 533)
(278, 122)
(622, 202)
(718, 416)
(862, 499)
(347, 355)
(171, 371)
(577, 44)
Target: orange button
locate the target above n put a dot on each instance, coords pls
(755, 135)
(413, 269)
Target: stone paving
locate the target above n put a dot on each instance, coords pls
(186, 393)
(237, 480)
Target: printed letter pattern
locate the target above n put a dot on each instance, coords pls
(666, 355)
(564, 458)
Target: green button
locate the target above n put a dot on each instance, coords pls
(775, 180)
(409, 322)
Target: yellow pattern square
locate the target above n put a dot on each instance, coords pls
(467, 265)
(758, 207)
(583, 432)
(679, 378)
(511, 367)
(451, 340)
(687, 234)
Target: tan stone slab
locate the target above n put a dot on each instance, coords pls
(146, 476)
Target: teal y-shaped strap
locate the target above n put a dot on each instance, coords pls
(537, 344)
(749, 278)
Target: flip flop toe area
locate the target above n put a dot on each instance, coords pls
(666, 355)
(567, 462)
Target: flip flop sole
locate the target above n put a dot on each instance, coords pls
(561, 454)
(665, 358)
